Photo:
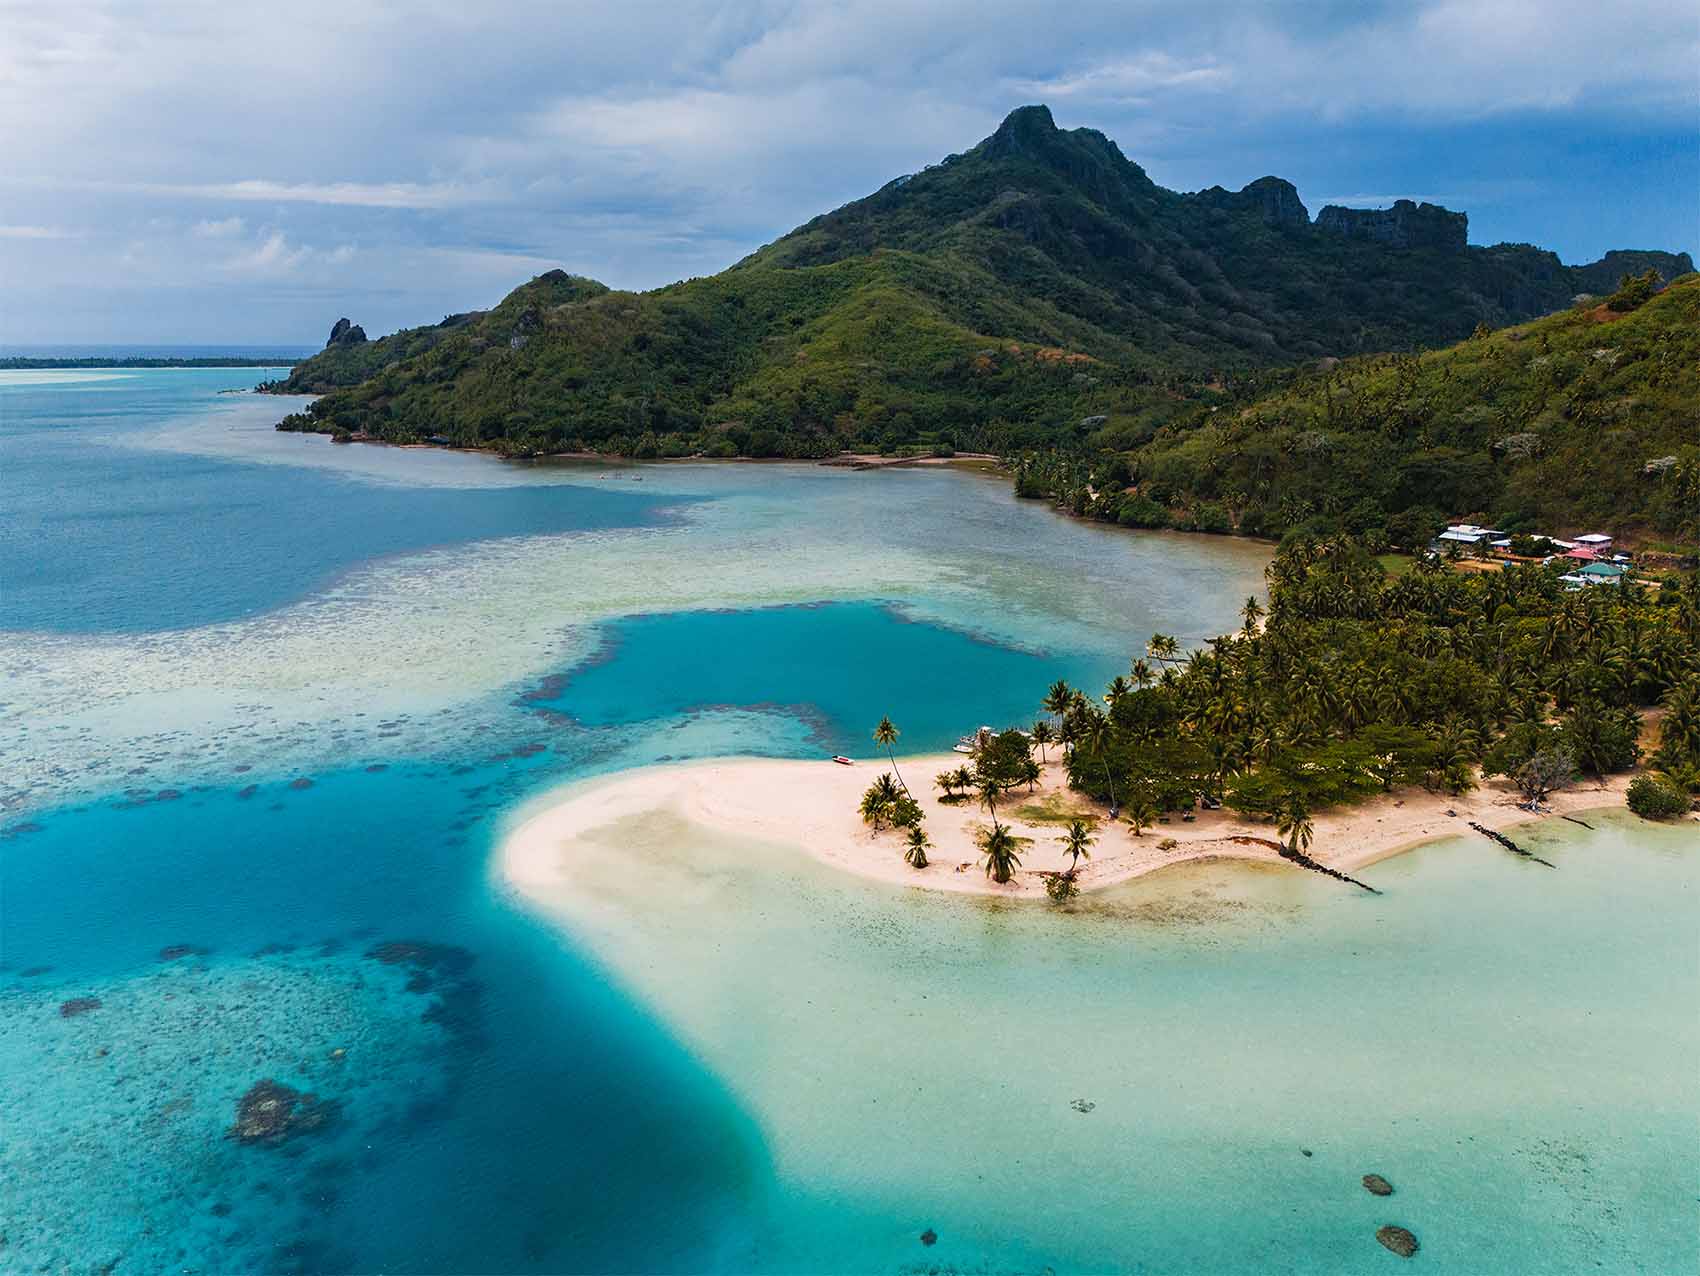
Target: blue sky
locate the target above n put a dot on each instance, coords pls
(185, 171)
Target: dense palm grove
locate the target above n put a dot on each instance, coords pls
(1357, 682)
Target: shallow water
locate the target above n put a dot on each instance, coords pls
(293, 701)
(1134, 1083)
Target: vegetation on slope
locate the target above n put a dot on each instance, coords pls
(1583, 420)
(1003, 298)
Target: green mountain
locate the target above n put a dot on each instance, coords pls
(999, 298)
(1586, 420)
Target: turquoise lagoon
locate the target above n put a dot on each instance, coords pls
(269, 703)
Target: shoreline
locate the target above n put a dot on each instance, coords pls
(811, 806)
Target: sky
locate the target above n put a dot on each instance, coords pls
(245, 173)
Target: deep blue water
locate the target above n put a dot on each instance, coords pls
(102, 537)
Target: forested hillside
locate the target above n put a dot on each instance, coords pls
(1029, 291)
(1586, 419)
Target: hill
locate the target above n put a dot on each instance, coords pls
(1588, 419)
(997, 299)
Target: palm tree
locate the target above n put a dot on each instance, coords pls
(1293, 823)
(916, 853)
(1058, 698)
(887, 734)
(1141, 673)
(1251, 613)
(1075, 842)
(1099, 733)
(998, 844)
(945, 780)
(989, 788)
(1042, 736)
(964, 778)
(1030, 772)
(1141, 812)
(1163, 647)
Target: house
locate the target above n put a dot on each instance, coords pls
(1469, 534)
(1594, 574)
(1595, 541)
(1581, 553)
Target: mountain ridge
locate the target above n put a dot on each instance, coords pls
(990, 300)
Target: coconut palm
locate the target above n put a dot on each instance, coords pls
(1042, 735)
(1098, 733)
(964, 778)
(990, 790)
(1075, 843)
(1163, 647)
(1293, 823)
(945, 780)
(916, 851)
(1001, 859)
(886, 734)
(1251, 613)
(1058, 698)
(1141, 812)
(1140, 672)
(1030, 772)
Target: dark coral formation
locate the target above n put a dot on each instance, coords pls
(78, 1006)
(273, 1113)
(1378, 1185)
(1397, 1239)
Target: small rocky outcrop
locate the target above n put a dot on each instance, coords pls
(78, 1006)
(929, 1237)
(1274, 199)
(272, 1113)
(1405, 225)
(1377, 1185)
(1397, 1239)
(345, 333)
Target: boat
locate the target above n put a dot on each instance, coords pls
(842, 760)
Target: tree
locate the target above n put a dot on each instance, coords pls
(1076, 843)
(876, 805)
(1030, 773)
(886, 734)
(998, 846)
(916, 852)
(1294, 826)
(1251, 613)
(1098, 734)
(1042, 736)
(945, 780)
(1542, 773)
(1058, 699)
(1163, 647)
(990, 789)
(1141, 809)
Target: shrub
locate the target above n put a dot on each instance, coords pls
(1142, 511)
(1654, 799)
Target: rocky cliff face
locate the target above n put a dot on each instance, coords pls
(1405, 225)
(344, 333)
(1274, 199)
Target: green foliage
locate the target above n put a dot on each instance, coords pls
(1038, 291)
(1584, 420)
(1359, 683)
(1653, 798)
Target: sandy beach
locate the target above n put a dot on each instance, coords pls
(812, 806)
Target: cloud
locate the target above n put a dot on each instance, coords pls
(657, 139)
(221, 229)
(1129, 78)
(35, 232)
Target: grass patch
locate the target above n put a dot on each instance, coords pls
(1060, 809)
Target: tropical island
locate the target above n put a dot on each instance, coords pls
(1360, 715)
(1215, 361)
